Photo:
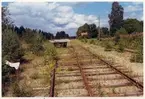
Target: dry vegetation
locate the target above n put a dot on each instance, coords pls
(122, 59)
(34, 75)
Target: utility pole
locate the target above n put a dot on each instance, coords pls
(99, 28)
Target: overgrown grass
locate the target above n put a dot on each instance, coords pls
(21, 91)
(120, 43)
(120, 48)
(138, 57)
(34, 75)
(108, 47)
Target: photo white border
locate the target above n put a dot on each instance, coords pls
(68, 1)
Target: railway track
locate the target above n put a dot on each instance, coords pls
(81, 73)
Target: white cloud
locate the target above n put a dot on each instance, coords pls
(133, 10)
(51, 17)
(133, 7)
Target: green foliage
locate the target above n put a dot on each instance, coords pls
(92, 41)
(36, 43)
(50, 51)
(120, 48)
(132, 43)
(37, 49)
(138, 57)
(115, 18)
(105, 31)
(29, 36)
(83, 39)
(133, 25)
(11, 47)
(91, 29)
(117, 38)
(121, 31)
(12, 51)
(61, 35)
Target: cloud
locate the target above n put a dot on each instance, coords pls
(51, 17)
(133, 10)
(136, 6)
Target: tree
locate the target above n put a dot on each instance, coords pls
(6, 21)
(115, 18)
(61, 35)
(133, 25)
(121, 31)
(11, 47)
(105, 31)
(91, 29)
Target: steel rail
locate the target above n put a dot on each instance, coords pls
(90, 93)
(52, 81)
(137, 84)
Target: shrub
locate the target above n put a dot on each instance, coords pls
(117, 38)
(85, 40)
(120, 48)
(108, 47)
(11, 47)
(92, 41)
(121, 31)
(137, 58)
(37, 48)
(50, 51)
(23, 91)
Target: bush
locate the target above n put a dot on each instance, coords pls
(92, 41)
(122, 31)
(22, 91)
(85, 40)
(11, 47)
(120, 48)
(137, 58)
(50, 51)
(11, 51)
(117, 38)
(37, 48)
(108, 47)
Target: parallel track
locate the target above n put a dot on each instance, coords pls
(93, 77)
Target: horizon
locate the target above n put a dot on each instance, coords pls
(67, 16)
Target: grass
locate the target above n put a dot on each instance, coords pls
(132, 43)
(34, 75)
(70, 69)
(137, 58)
(21, 91)
(120, 48)
(108, 47)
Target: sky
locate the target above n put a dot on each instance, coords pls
(67, 16)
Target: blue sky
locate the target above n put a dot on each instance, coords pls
(53, 17)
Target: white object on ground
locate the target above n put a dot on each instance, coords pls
(15, 65)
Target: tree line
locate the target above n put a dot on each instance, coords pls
(116, 23)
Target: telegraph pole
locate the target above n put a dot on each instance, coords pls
(99, 28)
